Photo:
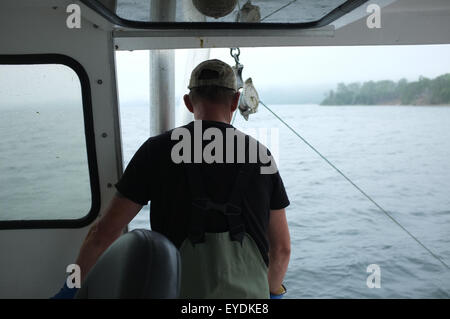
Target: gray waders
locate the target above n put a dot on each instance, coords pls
(220, 265)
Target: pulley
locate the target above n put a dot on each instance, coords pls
(249, 100)
(238, 67)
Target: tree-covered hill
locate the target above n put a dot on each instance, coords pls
(422, 92)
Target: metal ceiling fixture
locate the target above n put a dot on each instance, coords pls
(215, 8)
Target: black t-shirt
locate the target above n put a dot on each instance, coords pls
(153, 175)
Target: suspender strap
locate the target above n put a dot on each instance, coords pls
(197, 227)
(234, 208)
(201, 204)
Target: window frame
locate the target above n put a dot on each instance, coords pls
(33, 59)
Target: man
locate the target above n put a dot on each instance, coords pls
(227, 217)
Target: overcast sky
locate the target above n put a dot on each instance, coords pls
(298, 67)
(302, 69)
(25, 85)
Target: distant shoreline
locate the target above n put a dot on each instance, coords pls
(424, 92)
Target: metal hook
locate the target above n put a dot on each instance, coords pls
(235, 53)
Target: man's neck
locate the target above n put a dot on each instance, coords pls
(211, 117)
(212, 112)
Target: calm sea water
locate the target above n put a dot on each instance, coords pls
(398, 155)
(43, 163)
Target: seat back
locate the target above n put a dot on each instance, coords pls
(140, 264)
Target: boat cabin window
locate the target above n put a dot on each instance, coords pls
(383, 123)
(229, 11)
(43, 158)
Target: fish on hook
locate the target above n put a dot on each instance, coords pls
(249, 100)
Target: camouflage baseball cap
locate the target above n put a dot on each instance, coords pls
(213, 73)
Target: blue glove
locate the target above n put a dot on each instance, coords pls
(65, 292)
(279, 294)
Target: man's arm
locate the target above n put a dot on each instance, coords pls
(279, 249)
(105, 231)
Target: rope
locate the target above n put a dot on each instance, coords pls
(356, 186)
(277, 10)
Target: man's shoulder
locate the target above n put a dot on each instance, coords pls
(163, 138)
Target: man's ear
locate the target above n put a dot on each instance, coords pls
(188, 103)
(235, 101)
